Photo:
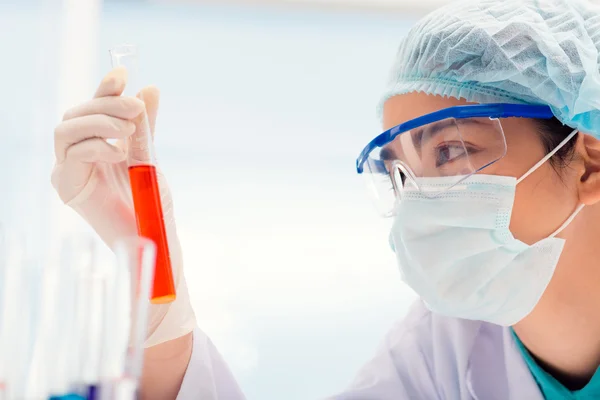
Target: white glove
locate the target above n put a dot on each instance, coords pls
(91, 176)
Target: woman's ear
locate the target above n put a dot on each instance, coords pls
(588, 148)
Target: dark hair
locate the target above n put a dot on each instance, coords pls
(553, 132)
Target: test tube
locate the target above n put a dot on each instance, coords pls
(137, 256)
(117, 323)
(75, 254)
(15, 316)
(5, 314)
(83, 344)
(141, 161)
(38, 383)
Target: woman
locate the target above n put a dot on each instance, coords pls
(490, 168)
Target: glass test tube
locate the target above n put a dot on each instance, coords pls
(141, 160)
(16, 316)
(75, 253)
(85, 339)
(4, 311)
(138, 257)
(116, 326)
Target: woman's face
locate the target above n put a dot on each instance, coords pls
(543, 201)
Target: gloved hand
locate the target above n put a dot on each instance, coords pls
(91, 176)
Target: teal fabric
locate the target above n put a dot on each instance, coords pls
(553, 389)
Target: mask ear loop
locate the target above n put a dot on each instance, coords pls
(548, 156)
(568, 221)
(539, 164)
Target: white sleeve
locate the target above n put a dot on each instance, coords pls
(207, 376)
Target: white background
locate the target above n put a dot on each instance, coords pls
(263, 112)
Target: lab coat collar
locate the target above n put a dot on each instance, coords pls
(496, 369)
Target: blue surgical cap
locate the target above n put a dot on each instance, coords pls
(510, 51)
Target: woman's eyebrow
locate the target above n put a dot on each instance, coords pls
(387, 153)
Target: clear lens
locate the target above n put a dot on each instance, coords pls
(447, 148)
(380, 185)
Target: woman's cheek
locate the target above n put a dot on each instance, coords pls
(542, 204)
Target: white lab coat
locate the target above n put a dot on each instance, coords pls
(425, 356)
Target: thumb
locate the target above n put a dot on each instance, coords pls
(140, 146)
(150, 95)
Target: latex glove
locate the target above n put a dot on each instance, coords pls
(91, 176)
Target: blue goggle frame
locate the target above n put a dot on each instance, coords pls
(496, 110)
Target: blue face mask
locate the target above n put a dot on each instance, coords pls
(457, 252)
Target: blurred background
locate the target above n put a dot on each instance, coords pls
(265, 106)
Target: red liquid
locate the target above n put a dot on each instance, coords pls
(151, 225)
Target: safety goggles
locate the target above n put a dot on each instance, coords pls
(455, 143)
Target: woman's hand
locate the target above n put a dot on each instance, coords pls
(91, 176)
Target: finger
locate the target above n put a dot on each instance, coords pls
(139, 145)
(76, 130)
(150, 95)
(95, 150)
(115, 106)
(165, 198)
(113, 83)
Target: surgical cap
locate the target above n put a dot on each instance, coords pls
(509, 51)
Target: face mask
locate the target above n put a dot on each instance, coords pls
(457, 252)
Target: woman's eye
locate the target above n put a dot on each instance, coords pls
(448, 153)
